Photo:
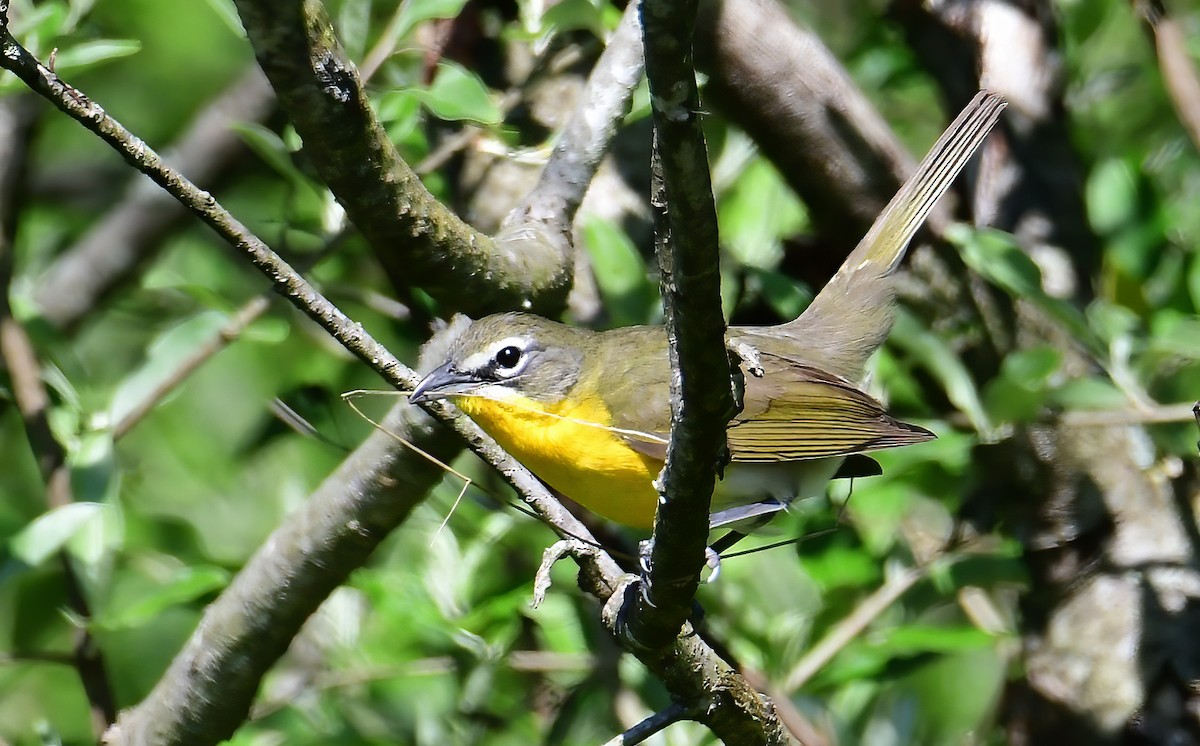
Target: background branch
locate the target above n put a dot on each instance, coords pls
(604, 102)
(414, 235)
(1178, 70)
(780, 83)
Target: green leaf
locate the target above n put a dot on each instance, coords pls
(270, 330)
(757, 210)
(1089, 393)
(839, 565)
(1193, 281)
(227, 12)
(1112, 321)
(79, 9)
(458, 94)
(1176, 334)
(914, 638)
(1018, 393)
(419, 11)
(995, 256)
(91, 53)
(93, 467)
(936, 357)
(620, 271)
(353, 26)
(271, 148)
(1111, 196)
(785, 296)
(574, 15)
(187, 585)
(47, 534)
(164, 357)
(42, 22)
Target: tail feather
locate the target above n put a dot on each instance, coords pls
(853, 313)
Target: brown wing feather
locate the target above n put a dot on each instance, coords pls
(796, 412)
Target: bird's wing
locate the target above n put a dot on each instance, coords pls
(795, 412)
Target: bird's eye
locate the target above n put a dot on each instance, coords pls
(508, 357)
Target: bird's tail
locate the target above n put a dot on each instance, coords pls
(852, 315)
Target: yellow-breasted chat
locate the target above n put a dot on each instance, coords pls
(589, 412)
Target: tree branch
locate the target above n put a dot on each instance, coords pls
(603, 104)
(656, 723)
(701, 395)
(414, 235)
(701, 387)
(1178, 71)
(779, 82)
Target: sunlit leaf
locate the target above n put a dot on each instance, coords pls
(47, 534)
(89, 54)
(1111, 195)
(620, 272)
(574, 15)
(419, 11)
(995, 256)
(1021, 389)
(458, 94)
(165, 356)
(936, 356)
(187, 585)
(227, 12)
(909, 639)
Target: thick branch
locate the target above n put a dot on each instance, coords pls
(701, 391)
(778, 82)
(418, 240)
(701, 397)
(207, 691)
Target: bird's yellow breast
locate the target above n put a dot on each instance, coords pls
(570, 447)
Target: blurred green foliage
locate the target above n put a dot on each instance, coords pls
(435, 642)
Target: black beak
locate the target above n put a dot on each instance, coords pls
(442, 382)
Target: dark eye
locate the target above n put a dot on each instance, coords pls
(508, 357)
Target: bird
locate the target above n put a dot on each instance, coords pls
(588, 412)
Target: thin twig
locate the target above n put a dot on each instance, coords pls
(656, 723)
(1141, 415)
(845, 631)
(233, 329)
(1178, 71)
